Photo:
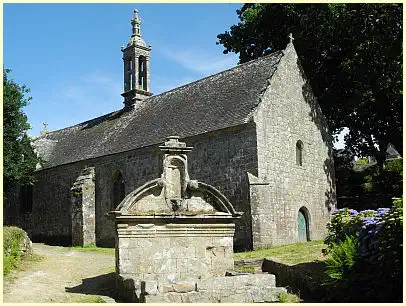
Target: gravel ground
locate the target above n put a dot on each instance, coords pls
(64, 275)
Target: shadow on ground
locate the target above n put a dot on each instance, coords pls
(99, 285)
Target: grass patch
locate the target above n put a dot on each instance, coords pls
(248, 269)
(24, 265)
(289, 254)
(286, 297)
(111, 270)
(93, 248)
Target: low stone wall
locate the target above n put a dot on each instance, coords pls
(255, 263)
(304, 278)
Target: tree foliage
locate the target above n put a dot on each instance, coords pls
(352, 56)
(365, 187)
(20, 159)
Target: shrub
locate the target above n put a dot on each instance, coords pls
(360, 163)
(286, 297)
(341, 259)
(345, 222)
(13, 239)
(365, 261)
(395, 165)
(389, 242)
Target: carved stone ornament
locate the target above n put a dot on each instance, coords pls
(174, 192)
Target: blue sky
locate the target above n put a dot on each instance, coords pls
(69, 54)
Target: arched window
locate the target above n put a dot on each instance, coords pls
(131, 82)
(303, 224)
(128, 74)
(142, 73)
(118, 189)
(299, 153)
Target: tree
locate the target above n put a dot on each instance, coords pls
(20, 159)
(352, 56)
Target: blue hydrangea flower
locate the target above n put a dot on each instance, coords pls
(367, 211)
(337, 211)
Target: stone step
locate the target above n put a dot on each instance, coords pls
(241, 295)
(238, 281)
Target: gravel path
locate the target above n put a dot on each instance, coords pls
(64, 275)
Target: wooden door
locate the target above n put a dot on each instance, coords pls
(301, 227)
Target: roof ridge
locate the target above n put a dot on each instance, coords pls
(217, 73)
(72, 126)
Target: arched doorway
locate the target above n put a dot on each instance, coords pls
(303, 232)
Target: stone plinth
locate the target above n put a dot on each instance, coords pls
(166, 249)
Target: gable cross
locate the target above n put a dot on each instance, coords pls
(290, 37)
(44, 130)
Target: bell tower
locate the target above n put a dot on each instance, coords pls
(136, 58)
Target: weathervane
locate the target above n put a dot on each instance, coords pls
(136, 22)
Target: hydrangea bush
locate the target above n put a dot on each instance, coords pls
(376, 249)
(345, 222)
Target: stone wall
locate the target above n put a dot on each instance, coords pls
(289, 113)
(305, 279)
(50, 219)
(221, 158)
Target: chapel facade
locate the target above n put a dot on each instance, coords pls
(258, 136)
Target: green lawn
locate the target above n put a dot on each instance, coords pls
(290, 254)
(89, 299)
(94, 248)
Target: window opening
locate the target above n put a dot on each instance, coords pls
(142, 73)
(118, 189)
(26, 192)
(299, 153)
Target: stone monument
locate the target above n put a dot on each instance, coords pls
(174, 239)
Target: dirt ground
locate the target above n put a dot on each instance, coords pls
(63, 275)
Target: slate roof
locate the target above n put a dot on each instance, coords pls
(219, 101)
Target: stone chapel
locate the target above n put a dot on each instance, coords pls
(258, 136)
